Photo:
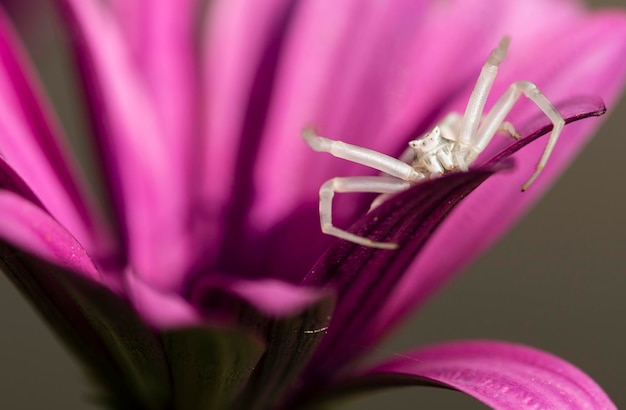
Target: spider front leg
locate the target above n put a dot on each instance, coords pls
(507, 128)
(380, 185)
(503, 106)
(364, 156)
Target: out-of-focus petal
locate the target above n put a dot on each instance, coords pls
(147, 180)
(591, 61)
(271, 297)
(12, 182)
(30, 143)
(501, 375)
(241, 48)
(160, 309)
(160, 36)
(32, 229)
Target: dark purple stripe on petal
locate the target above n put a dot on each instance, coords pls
(255, 114)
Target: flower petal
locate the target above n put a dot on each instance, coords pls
(363, 277)
(490, 210)
(33, 230)
(366, 279)
(30, 143)
(271, 297)
(161, 309)
(12, 182)
(500, 375)
(241, 49)
(147, 179)
(160, 37)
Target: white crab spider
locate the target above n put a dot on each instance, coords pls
(452, 145)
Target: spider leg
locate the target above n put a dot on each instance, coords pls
(381, 185)
(507, 128)
(360, 155)
(450, 127)
(476, 103)
(502, 107)
(407, 156)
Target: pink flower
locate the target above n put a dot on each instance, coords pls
(190, 284)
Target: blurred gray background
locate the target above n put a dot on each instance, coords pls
(556, 281)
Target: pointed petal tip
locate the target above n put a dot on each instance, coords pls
(162, 310)
(33, 230)
(501, 375)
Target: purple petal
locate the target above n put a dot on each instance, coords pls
(501, 375)
(595, 66)
(161, 41)
(162, 310)
(30, 143)
(271, 297)
(241, 46)
(146, 177)
(33, 230)
(366, 279)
